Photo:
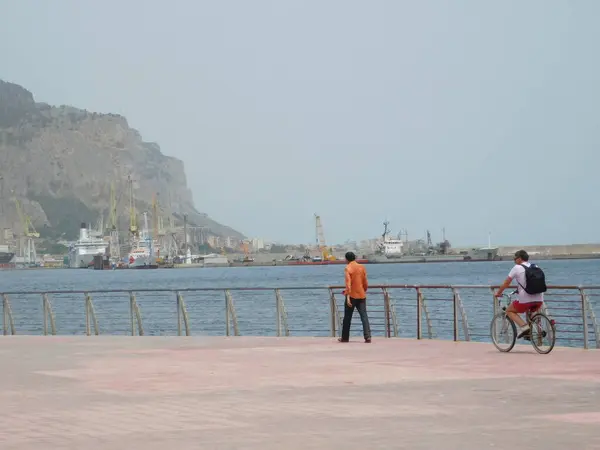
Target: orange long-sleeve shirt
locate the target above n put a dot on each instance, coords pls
(356, 280)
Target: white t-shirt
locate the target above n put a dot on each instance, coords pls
(517, 274)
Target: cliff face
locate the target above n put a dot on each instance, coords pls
(60, 163)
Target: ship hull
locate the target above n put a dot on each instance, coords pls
(83, 251)
(143, 262)
(483, 254)
(78, 261)
(6, 257)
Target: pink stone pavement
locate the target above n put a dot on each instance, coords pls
(293, 393)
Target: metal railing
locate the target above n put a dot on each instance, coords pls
(459, 313)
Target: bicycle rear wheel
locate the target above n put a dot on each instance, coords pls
(543, 333)
(503, 332)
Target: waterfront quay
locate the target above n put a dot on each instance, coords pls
(261, 368)
(118, 392)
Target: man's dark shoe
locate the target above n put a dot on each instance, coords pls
(525, 332)
(368, 341)
(341, 340)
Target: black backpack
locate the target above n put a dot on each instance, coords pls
(535, 280)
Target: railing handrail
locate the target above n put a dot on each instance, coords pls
(466, 286)
(427, 307)
(289, 288)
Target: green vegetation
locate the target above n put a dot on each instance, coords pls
(65, 216)
(206, 249)
(278, 248)
(52, 248)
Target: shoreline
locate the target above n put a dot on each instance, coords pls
(413, 260)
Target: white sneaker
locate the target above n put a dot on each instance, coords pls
(523, 331)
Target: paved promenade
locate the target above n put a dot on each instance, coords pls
(174, 393)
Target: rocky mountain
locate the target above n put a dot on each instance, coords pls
(60, 163)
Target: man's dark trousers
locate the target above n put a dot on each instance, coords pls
(361, 305)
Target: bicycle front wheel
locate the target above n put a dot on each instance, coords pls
(543, 333)
(503, 332)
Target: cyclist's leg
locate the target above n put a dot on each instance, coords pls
(514, 314)
(513, 311)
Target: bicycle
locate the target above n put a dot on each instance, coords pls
(539, 324)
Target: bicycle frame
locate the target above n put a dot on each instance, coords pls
(529, 315)
(530, 320)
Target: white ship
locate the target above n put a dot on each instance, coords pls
(82, 252)
(391, 248)
(211, 260)
(144, 250)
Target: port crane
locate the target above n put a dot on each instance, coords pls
(168, 239)
(245, 245)
(114, 244)
(133, 227)
(165, 238)
(29, 235)
(157, 219)
(320, 238)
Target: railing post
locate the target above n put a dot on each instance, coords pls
(230, 313)
(90, 315)
(419, 336)
(278, 309)
(393, 315)
(386, 307)
(592, 319)
(495, 302)
(87, 314)
(284, 318)
(131, 319)
(8, 320)
(45, 312)
(49, 314)
(227, 329)
(135, 315)
(182, 315)
(178, 313)
(455, 314)
(333, 313)
(584, 315)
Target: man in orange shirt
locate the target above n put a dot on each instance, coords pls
(356, 297)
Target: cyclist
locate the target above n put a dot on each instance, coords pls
(525, 302)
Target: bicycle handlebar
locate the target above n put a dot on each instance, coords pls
(508, 297)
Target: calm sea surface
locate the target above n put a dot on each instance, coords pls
(308, 311)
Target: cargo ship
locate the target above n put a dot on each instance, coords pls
(83, 251)
(144, 251)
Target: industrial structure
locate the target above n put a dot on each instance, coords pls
(114, 242)
(326, 254)
(28, 237)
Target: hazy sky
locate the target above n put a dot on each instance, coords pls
(473, 115)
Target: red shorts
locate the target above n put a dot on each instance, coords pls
(524, 307)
